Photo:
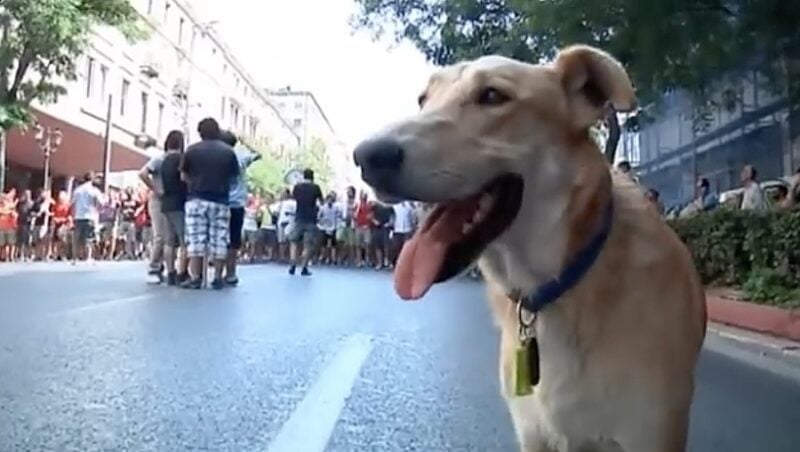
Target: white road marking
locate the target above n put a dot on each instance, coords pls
(310, 426)
(105, 304)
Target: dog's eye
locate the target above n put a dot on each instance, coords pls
(421, 100)
(492, 96)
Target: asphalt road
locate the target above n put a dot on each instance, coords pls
(93, 359)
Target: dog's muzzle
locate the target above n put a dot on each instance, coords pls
(381, 161)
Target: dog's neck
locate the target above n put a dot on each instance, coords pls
(551, 229)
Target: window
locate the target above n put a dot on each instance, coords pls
(298, 105)
(298, 122)
(145, 99)
(222, 113)
(123, 98)
(89, 76)
(160, 118)
(149, 6)
(224, 68)
(180, 30)
(167, 7)
(103, 78)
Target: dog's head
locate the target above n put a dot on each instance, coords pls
(496, 141)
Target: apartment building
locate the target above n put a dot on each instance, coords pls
(308, 120)
(182, 73)
(750, 124)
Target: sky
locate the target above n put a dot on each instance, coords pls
(309, 45)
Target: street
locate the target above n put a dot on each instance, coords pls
(94, 359)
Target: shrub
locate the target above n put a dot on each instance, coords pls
(757, 251)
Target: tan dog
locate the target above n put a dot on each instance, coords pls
(503, 150)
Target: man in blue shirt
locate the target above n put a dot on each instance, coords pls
(238, 201)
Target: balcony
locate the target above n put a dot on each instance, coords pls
(180, 90)
(152, 66)
(144, 141)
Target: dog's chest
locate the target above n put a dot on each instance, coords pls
(570, 407)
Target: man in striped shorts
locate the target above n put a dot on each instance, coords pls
(209, 168)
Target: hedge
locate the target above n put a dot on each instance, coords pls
(757, 251)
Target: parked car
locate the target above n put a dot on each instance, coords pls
(770, 187)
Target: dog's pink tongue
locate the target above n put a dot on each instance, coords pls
(423, 254)
(418, 264)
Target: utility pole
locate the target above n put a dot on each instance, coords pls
(3, 134)
(108, 143)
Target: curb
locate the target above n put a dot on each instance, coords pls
(754, 317)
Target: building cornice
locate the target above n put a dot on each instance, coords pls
(313, 98)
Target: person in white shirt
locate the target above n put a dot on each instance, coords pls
(752, 196)
(268, 235)
(250, 227)
(286, 208)
(328, 224)
(403, 227)
(86, 199)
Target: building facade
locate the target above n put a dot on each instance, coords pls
(749, 124)
(182, 73)
(308, 120)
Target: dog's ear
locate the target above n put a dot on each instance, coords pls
(594, 80)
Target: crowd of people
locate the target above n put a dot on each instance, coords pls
(751, 196)
(39, 227)
(193, 204)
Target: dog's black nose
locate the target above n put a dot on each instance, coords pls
(381, 155)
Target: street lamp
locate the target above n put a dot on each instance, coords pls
(49, 140)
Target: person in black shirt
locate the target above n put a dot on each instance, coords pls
(382, 219)
(41, 214)
(24, 225)
(307, 195)
(208, 168)
(173, 199)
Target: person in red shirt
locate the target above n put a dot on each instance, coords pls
(8, 225)
(363, 222)
(62, 225)
(142, 225)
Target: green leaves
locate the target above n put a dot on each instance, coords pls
(13, 115)
(666, 45)
(758, 251)
(41, 40)
(267, 174)
(315, 156)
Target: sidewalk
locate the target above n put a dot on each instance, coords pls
(725, 306)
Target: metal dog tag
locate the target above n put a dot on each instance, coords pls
(526, 356)
(522, 372)
(533, 361)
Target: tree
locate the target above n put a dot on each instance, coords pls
(265, 175)
(666, 45)
(315, 156)
(40, 40)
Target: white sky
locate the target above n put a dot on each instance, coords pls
(362, 85)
